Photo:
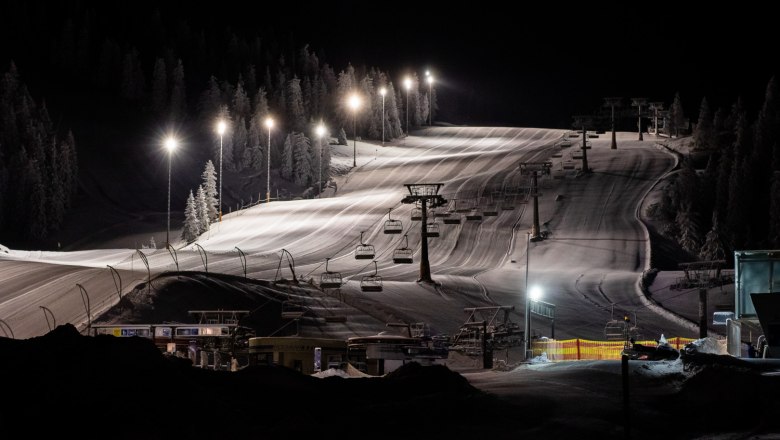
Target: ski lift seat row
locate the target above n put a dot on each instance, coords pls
(393, 226)
(403, 255)
(330, 280)
(364, 251)
(371, 283)
(432, 230)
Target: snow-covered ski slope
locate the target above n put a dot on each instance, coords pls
(594, 255)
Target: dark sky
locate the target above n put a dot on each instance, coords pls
(544, 63)
(533, 65)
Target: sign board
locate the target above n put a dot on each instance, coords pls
(542, 308)
(317, 359)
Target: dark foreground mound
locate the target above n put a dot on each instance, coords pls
(66, 385)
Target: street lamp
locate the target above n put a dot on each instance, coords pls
(527, 329)
(320, 134)
(383, 92)
(408, 86)
(269, 123)
(221, 126)
(430, 99)
(170, 145)
(354, 104)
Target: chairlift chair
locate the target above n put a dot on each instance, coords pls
(416, 214)
(491, 210)
(403, 255)
(432, 229)
(371, 283)
(474, 215)
(364, 251)
(330, 280)
(452, 219)
(393, 226)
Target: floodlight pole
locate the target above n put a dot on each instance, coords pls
(534, 168)
(527, 327)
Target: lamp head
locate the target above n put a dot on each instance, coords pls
(320, 130)
(383, 91)
(221, 126)
(535, 293)
(170, 144)
(408, 83)
(269, 123)
(354, 102)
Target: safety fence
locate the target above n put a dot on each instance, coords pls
(583, 349)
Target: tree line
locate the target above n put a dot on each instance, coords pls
(734, 202)
(38, 165)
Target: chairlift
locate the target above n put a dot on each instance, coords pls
(568, 165)
(364, 251)
(491, 211)
(393, 226)
(330, 280)
(474, 215)
(292, 310)
(416, 214)
(432, 229)
(403, 255)
(371, 283)
(615, 330)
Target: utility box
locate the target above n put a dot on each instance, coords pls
(754, 272)
(757, 295)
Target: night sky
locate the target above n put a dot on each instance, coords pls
(536, 67)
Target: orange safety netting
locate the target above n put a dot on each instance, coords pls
(583, 349)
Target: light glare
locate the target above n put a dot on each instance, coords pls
(535, 293)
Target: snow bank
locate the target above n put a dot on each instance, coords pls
(4, 249)
(708, 345)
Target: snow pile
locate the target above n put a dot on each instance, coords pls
(4, 249)
(331, 372)
(707, 345)
(541, 359)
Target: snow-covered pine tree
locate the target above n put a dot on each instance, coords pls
(178, 95)
(241, 106)
(191, 228)
(240, 136)
(287, 157)
(677, 116)
(159, 88)
(132, 76)
(689, 232)
(209, 178)
(202, 210)
(210, 102)
(712, 249)
(393, 128)
(342, 137)
(704, 136)
(302, 168)
(296, 117)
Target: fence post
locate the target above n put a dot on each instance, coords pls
(578, 348)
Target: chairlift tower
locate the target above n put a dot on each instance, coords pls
(656, 107)
(584, 122)
(638, 103)
(703, 275)
(612, 103)
(427, 194)
(534, 169)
